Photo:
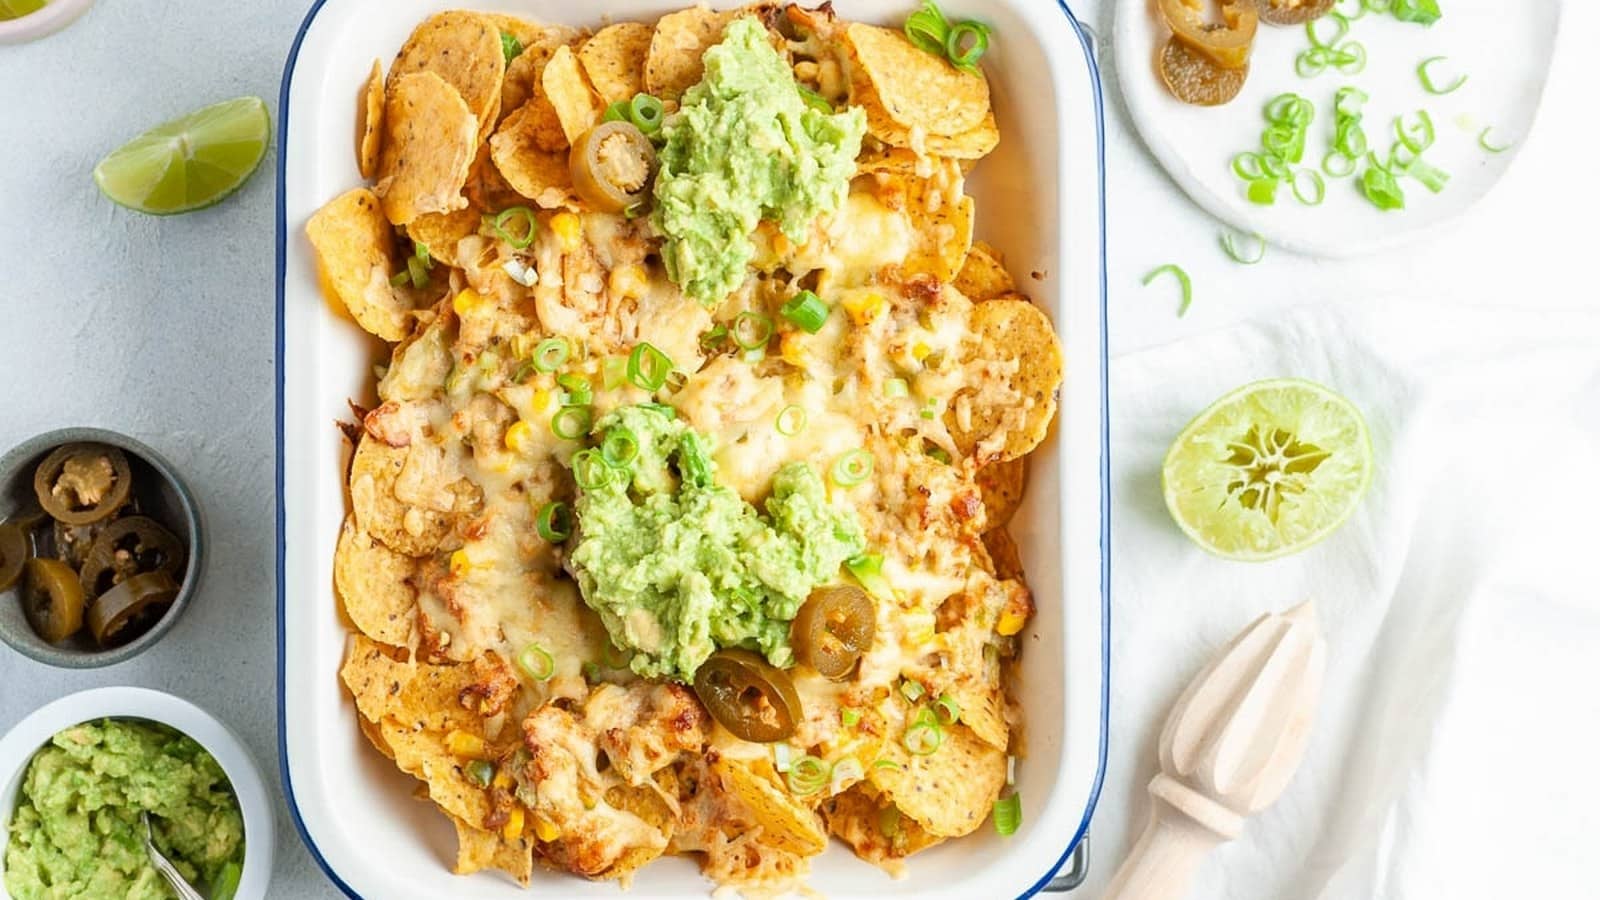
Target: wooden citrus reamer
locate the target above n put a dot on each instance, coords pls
(1229, 748)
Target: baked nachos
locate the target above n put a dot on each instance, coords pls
(679, 526)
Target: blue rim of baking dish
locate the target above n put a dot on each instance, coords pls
(1091, 61)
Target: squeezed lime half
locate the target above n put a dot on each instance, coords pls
(1268, 470)
(189, 163)
(16, 9)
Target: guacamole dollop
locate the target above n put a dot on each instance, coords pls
(745, 147)
(678, 565)
(76, 830)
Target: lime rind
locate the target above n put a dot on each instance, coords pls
(190, 163)
(1268, 470)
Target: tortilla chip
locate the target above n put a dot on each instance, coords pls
(355, 249)
(369, 123)
(646, 803)
(1003, 552)
(785, 822)
(402, 528)
(1017, 342)
(374, 583)
(440, 232)
(614, 59)
(569, 93)
(950, 791)
(915, 89)
(968, 145)
(873, 827)
(464, 49)
(430, 139)
(526, 32)
(374, 735)
(941, 216)
(674, 63)
(423, 755)
(983, 709)
(373, 677)
(537, 174)
(1002, 485)
(525, 75)
(983, 275)
(477, 850)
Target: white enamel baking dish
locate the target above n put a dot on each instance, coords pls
(1040, 197)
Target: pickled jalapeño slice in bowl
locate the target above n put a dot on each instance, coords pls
(191, 162)
(1268, 470)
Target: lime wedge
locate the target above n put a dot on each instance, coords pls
(188, 163)
(16, 9)
(1268, 470)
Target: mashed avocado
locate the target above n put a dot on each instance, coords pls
(678, 565)
(744, 147)
(76, 831)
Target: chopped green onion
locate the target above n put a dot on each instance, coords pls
(1428, 83)
(1381, 188)
(844, 771)
(1258, 247)
(966, 44)
(887, 764)
(850, 718)
(550, 354)
(418, 272)
(481, 771)
(714, 337)
(947, 710)
(590, 471)
(1347, 101)
(938, 453)
(572, 422)
(791, 420)
(1289, 109)
(751, 330)
(1432, 177)
(912, 690)
(536, 662)
(1416, 138)
(1311, 63)
(1378, 6)
(923, 738)
(1483, 141)
(806, 310)
(889, 817)
(613, 372)
(1263, 191)
(1249, 166)
(895, 388)
(1341, 28)
(814, 100)
(1008, 815)
(927, 29)
(930, 409)
(646, 113)
(648, 367)
(782, 757)
(403, 277)
(1422, 12)
(619, 447)
(521, 238)
(1351, 58)
(579, 390)
(1346, 165)
(852, 468)
(807, 775)
(510, 46)
(1183, 282)
(554, 521)
(1319, 188)
(661, 408)
(616, 112)
(868, 571)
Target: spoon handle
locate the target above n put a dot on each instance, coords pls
(174, 878)
(1183, 828)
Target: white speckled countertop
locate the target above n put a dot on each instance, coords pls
(163, 328)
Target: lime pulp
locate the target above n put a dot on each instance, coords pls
(16, 9)
(189, 163)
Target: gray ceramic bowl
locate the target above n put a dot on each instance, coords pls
(161, 496)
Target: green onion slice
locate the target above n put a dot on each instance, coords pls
(551, 353)
(912, 690)
(403, 277)
(814, 100)
(852, 468)
(1347, 101)
(947, 710)
(1341, 28)
(966, 43)
(554, 521)
(1262, 191)
(518, 236)
(896, 388)
(510, 46)
(1483, 141)
(1432, 177)
(648, 367)
(1338, 165)
(807, 311)
(1248, 166)
(616, 112)
(1422, 12)
(1008, 815)
(807, 775)
(1381, 188)
(1312, 63)
(646, 113)
(579, 390)
(1289, 109)
(1252, 253)
(661, 408)
(589, 469)
(536, 662)
(481, 771)
(868, 572)
(849, 718)
(572, 422)
(1183, 282)
(924, 737)
(927, 29)
(1318, 189)
(1431, 86)
(619, 447)
(889, 818)
(751, 330)
(886, 764)
(791, 420)
(417, 271)
(1417, 137)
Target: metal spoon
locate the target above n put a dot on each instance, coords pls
(165, 867)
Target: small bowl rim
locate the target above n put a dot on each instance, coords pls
(56, 15)
(29, 736)
(194, 572)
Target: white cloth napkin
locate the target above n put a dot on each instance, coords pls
(1455, 751)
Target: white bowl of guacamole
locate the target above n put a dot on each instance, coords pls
(78, 772)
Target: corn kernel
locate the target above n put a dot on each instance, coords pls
(502, 777)
(542, 400)
(460, 562)
(512, 830)
(499, 463)
(628, 281)
(920, 351)
(462, 744)
(781, 244)
(1011, 622)
(545, 829)
(466, 301)
(566, 227)
(864, 307)
(519, 437)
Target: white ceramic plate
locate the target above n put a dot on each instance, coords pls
(1503, 48)
(1039, 197)
(33, 732)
